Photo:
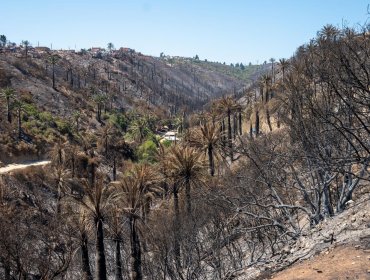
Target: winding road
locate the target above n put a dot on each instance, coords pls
(15, 166)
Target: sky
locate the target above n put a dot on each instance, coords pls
(217, 30)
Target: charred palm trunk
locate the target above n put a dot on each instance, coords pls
(268, 118)
(118, 268)
(73, 163)
(176, 225)
(211, 161)
(53, 76)
(135, 251)
(19, 124)
(101, 268)
(8, 110)
(86, 271)
(229, 134)
(240, 123)
(257, 126)
(188, 196)
(114, 168)
(235, 126)
(6, 271)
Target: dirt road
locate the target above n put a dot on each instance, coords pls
(11, 167)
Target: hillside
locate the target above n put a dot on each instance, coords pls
(172, 168)
(115, 82)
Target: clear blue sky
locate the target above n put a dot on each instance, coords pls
(219, 30)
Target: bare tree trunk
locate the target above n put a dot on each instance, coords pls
(19, 124)
(235, 126)
(268, 118)
(53, 76)
(240, 123)
(6, 271)
(100, 265)
(211, 161)
(86, 271)
(188, 196)
(176, 224)
(114, 168)
(257, 126)
(8, 110)
(135, 252)
(118, 268)
(229, 135)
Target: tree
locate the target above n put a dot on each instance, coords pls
(257, 124)
(97, 197)
(284, 64)
(100, 101)
(186, 167)
(134, 195)
(26, 44)
(266, 82)
(79, 223)
(227, 105)
(8, 93)
(3, 40)
(19, 107)
(139, 129)
(53, 60)
(272, 60)
(208, 138)
(110, 47)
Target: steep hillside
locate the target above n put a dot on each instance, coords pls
(62, 89)
(125, 75)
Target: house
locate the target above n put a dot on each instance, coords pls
(42, 49)
(171, 136)
(96, 50)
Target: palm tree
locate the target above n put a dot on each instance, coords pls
(57, 153)
(26, 44)
(97, 197)
(139, 129)
(228, 105)
(329, 32)
(284, 64)
(134, 194)
(53, 60)
(99, 100)
(116, 228)
(266, 82)
(19, 107)
(272, 60)
(105, 134)
(208, 138)
(60, 175)
(71, 156)
(76, 118)
(8, 93)
(80, 225)
(186, 168)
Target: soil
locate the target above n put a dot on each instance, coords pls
(342, 262)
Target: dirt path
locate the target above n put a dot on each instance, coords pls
(11, 167)
(344, 262)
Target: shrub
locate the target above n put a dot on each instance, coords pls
(147, 151)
